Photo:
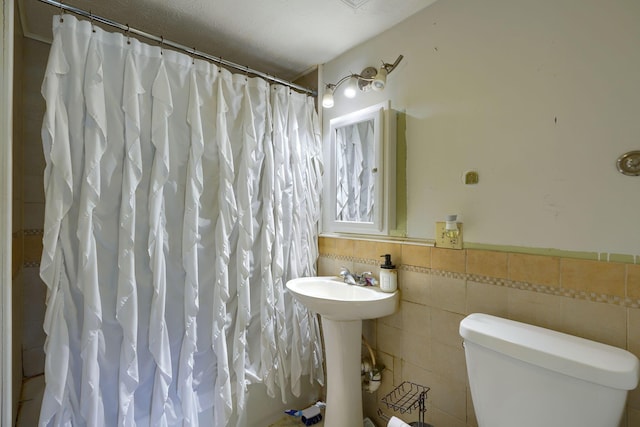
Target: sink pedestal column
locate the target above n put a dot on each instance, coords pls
(342, 340)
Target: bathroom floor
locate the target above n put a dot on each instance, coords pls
(30, 401)
(289, 421)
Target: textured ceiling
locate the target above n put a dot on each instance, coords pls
(284, 38)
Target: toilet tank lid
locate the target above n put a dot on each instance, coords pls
(578, 357)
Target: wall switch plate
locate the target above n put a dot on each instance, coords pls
(444, 241)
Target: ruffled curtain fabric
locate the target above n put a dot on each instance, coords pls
(355, 162)
(180, 198)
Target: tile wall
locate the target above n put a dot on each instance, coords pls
(439, 287)
(17, 202)
(31, 174)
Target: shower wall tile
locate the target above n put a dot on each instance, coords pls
(344, 247)
(365, 249)
(593, 276)
(34, 188)
(416, 350)
(397, 371)
(445, 326)
(16, 337)
(633, 334)
(35, 155)
(33, 335)
(443, 394)
(33, 247)
(17, 254)
(33, 308)
(389, 339)
(396, 319)
(534, 307)
(386, 360)
(543, 270)
(437, 417)
(448, 260)
(486, 298)
(487, 263)
(414, 286)
(448, 396)
(416, 334)
(449, 362)
(17, 212)
(419, 256)
(596, 321)
(438, 287)
(33, 216)
(33, 362)
(326, 245)
(394, 249)
(447, 293)
(327, 266)
(633, 281)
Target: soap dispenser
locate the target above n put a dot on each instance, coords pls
(388, 275)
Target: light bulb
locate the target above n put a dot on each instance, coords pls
(327, 98)
(351, 88)
(380, 80)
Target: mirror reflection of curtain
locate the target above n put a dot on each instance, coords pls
(355, 163)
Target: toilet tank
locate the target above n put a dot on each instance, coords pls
(523, 375)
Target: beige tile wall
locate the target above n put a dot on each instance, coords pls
(439, 287)
(30, 171)
(17, 199)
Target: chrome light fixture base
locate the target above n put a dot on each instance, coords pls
(370, 78)
(364, 83)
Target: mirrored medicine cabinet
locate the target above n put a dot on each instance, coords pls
(359, 190)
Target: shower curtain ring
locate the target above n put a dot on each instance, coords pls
(61, 12)
(193, 56)
(93, 29)
(161, 43)
(128, 34)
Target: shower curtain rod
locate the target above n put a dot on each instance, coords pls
(188, 50)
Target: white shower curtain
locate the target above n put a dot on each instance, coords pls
(180, 198)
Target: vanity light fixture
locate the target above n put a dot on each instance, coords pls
(351, 89)
(369, 78)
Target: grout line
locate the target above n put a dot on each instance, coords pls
(525, 286)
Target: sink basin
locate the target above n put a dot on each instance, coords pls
(333, 299)
(342, 308)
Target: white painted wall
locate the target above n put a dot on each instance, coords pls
(540, 97)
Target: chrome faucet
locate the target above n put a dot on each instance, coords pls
(363, 279)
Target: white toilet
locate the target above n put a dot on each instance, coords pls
(526, 376)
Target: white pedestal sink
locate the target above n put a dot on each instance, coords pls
(342, 308)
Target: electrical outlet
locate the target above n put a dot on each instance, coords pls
(444, 241)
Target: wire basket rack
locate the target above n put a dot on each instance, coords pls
(406, 398)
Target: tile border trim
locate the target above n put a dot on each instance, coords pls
(523, 286)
